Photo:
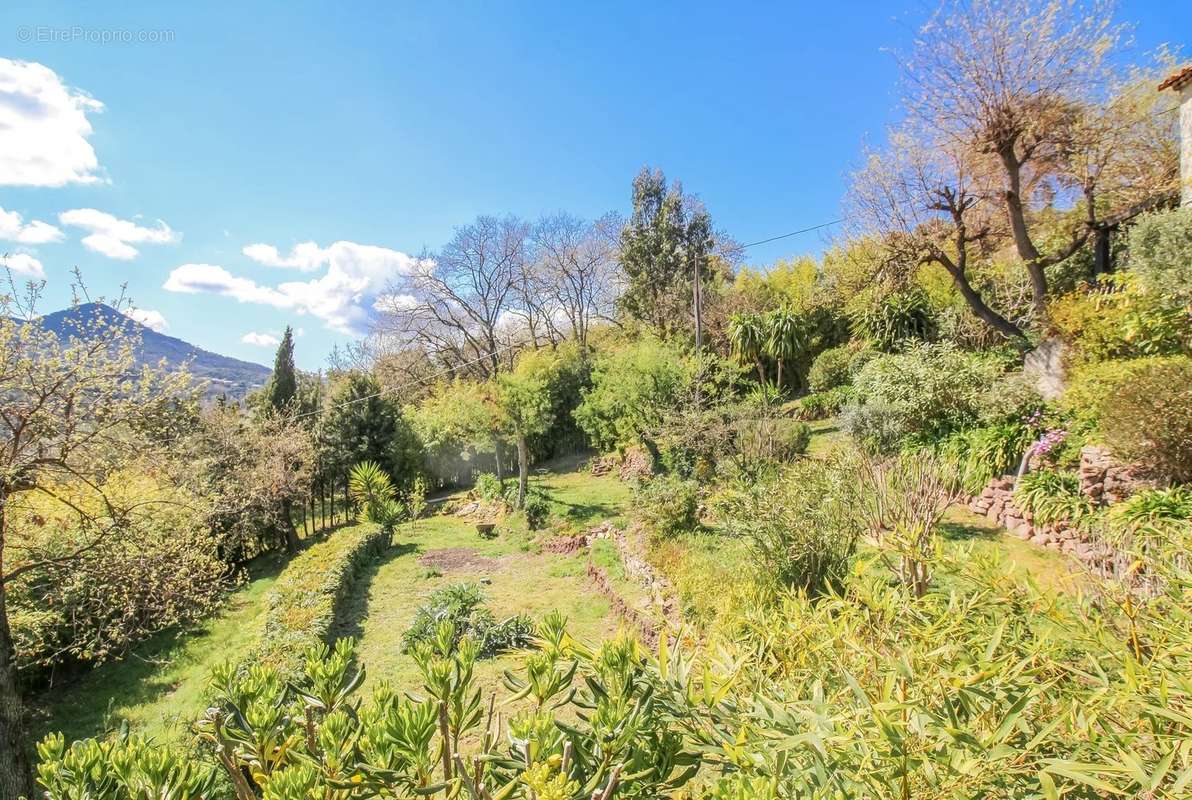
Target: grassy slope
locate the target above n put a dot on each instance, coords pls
(160, 684)
(523, 580)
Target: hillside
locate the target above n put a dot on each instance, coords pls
(225, 375)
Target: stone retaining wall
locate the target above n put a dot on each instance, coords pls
(1103, 479)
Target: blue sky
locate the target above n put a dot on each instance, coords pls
(380, 127)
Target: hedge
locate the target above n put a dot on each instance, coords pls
(302, 604)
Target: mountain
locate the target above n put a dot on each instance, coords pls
(225, 375)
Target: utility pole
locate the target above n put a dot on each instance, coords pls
(697, 299)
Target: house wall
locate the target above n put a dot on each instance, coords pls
(1186, 144)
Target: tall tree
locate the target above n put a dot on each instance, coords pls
(525, 401)
(74, 411)
(667, 234)
(1025, 93)
(363, 423)
(454, 304)
(576, 261)
(283, 384)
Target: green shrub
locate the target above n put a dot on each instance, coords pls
(633, 389)
(830, 369)
(803, 528)
(1126, 323)
(879, 427)
(1148, 419)
(461, 607)
(929, 390)
(892, 321)
(980, 454)
(1052, 496)
(822, 405)
(303, 601)
(536, 508)
(1160, 254)
(667, 505)
(487, 487)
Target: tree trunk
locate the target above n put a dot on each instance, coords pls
(761, 373)
(323, 504)
(778, 383)
(347, 501)
(287, 525)
(523, 470)
(1016, 213)
(984, 312)
(497, 458)
(16, 773)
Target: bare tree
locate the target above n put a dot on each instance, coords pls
(1025, 86)
(577, 266)
(455, 303)
(927, 206)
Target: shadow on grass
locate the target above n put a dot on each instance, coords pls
(588, 512)
(960, 532)
(352, 611)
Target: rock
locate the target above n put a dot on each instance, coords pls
(1039, 539)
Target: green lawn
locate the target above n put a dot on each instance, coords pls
(159, 687)
(516, 576)
(825, 436)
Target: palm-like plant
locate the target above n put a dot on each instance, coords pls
(747, 337)
(784, 338)
(373, 490)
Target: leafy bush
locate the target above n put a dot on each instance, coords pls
(1148, 420)
(302, 603)
(878, 427)
(821, 405)
(487, 487)
(460, 607)
(158, 568)
(929, 390)
(536, 508)
(980, 454)
(1126, 323)
(1052, 497)
(633, 388)
(830, 369)
(803, 528)
(667, 505)
(1089, 384)
(1160, 253)
(892, 321)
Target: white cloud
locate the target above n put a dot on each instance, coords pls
(306, 257)
(260, 339)
(24, 264)
(343, 296)
(153, 320)
(212, 279)
(14, 229)
(43, 128)
(114, 237)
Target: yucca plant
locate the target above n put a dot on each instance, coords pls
(373, 492)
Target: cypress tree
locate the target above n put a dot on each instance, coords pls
(283, 386)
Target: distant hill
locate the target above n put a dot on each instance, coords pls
(225, 375)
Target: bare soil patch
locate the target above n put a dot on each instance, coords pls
(459, 559)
